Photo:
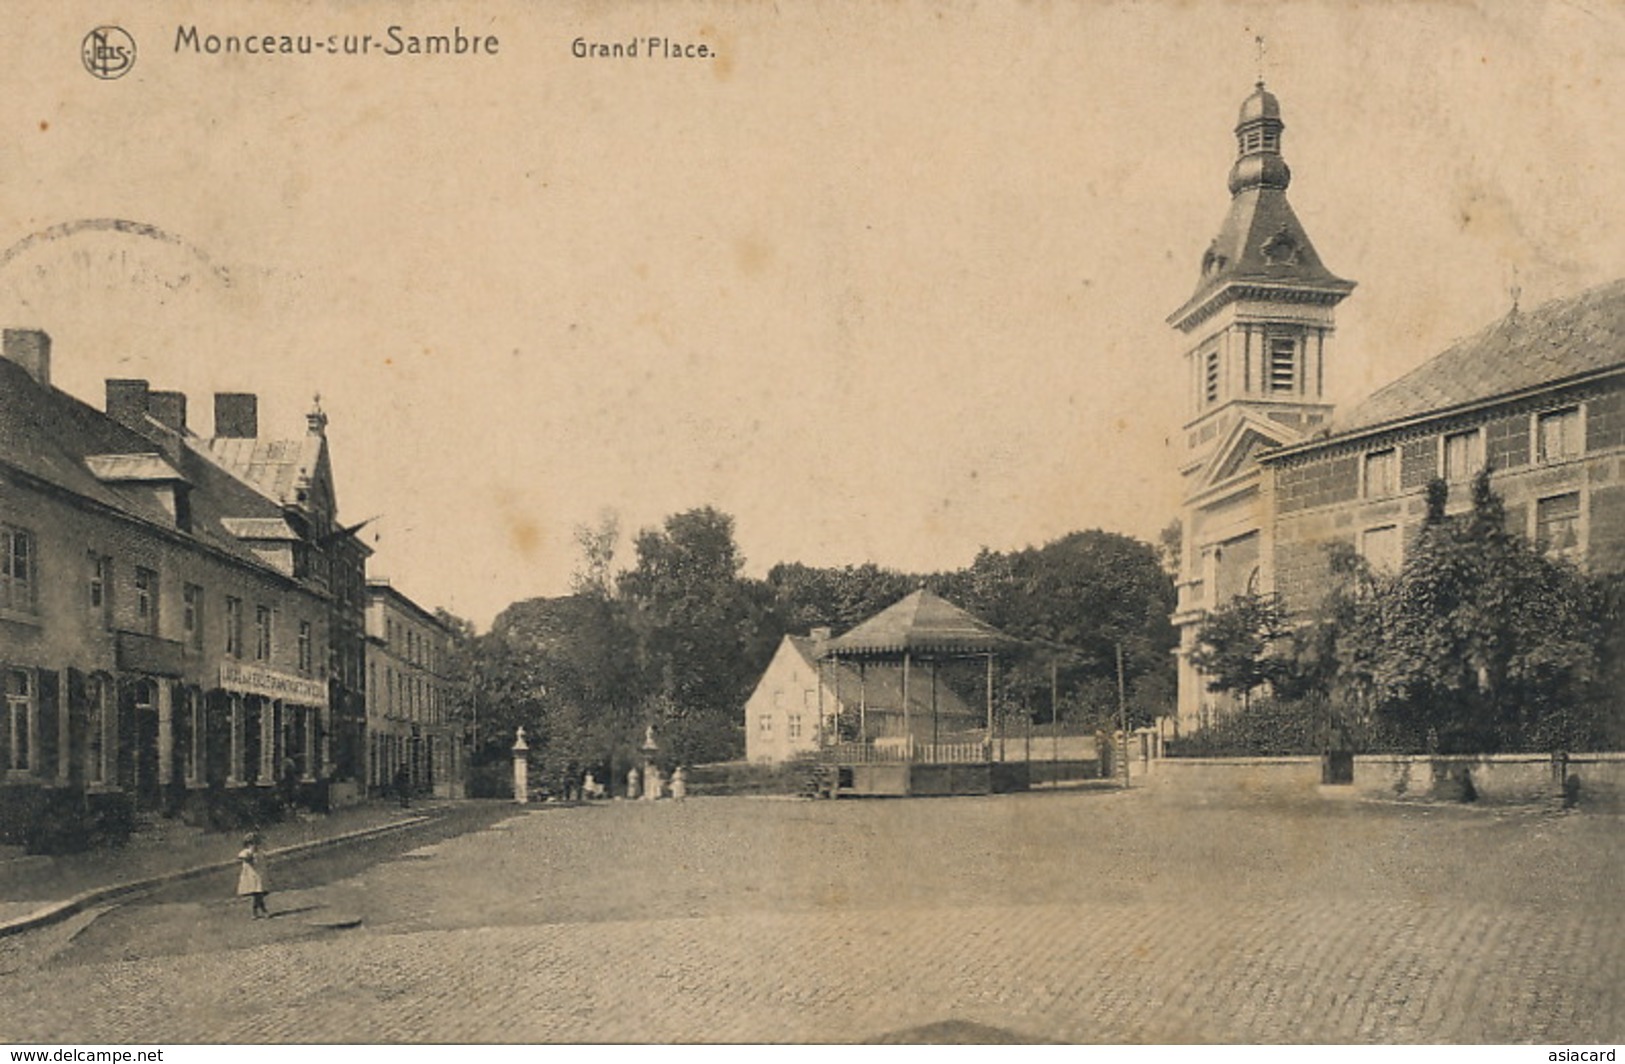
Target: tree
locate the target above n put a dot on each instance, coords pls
(1481, 641)
(702, 633)
(1171, 546)
(805, 597)
(1080, 598)
(1244, 645)
(595, 576)
(565, 669)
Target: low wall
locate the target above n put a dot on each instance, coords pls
(740, 777)
(1595, 781)
(1230, 776)
(1060, 771)
(1590, 779)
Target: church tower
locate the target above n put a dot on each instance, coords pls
(1258, 331)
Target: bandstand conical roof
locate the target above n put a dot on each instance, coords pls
(921, 622)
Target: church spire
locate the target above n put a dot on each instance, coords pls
(1258, 144)
(1261, 246)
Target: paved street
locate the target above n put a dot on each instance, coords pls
(1080, 917)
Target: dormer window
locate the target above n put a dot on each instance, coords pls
(1281, 249)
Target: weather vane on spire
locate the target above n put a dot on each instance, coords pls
(1258, 39)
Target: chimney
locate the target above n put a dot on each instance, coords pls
(820, 638)
(168, 409)
(30, 349)
(127, 401)
(236, 415)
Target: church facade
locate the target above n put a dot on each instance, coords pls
(1273, 475)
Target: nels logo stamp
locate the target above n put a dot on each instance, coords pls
(108, 52)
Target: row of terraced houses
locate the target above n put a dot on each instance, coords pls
(186, 626)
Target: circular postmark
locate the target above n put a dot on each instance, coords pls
(108, 52)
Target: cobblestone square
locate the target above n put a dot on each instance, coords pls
(1076, 917)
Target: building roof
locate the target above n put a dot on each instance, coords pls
(1563, 339)
(882, 689)
(261, 528)
(1261, 248)
(54, 438)
(275, 468)
(379, 589)
(921, 621)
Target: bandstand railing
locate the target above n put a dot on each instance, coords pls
(908, 751)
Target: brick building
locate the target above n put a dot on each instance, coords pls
(410, 723)
(1273, 475)
(165, 626)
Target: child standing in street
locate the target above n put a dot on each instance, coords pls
(251, 880)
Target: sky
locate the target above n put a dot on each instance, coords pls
(885, 281)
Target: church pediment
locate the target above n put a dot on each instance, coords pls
(1239, 453)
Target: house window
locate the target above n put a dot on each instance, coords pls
(16, 569)
(262, 633)
(237, 761)
(19, 719)
(192, 701)
(192, 615)
(1558, 435)
(304, 647)
(1283, 373)
(1463, 456)
(1557, 525)
(96, 744)
(764, 724)
(1210, 379)
(795, 725)
(1381, 548)
(99, 595)
(146, 601)
(1381, 474)
(234, 627)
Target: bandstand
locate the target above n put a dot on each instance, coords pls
(908, 731)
